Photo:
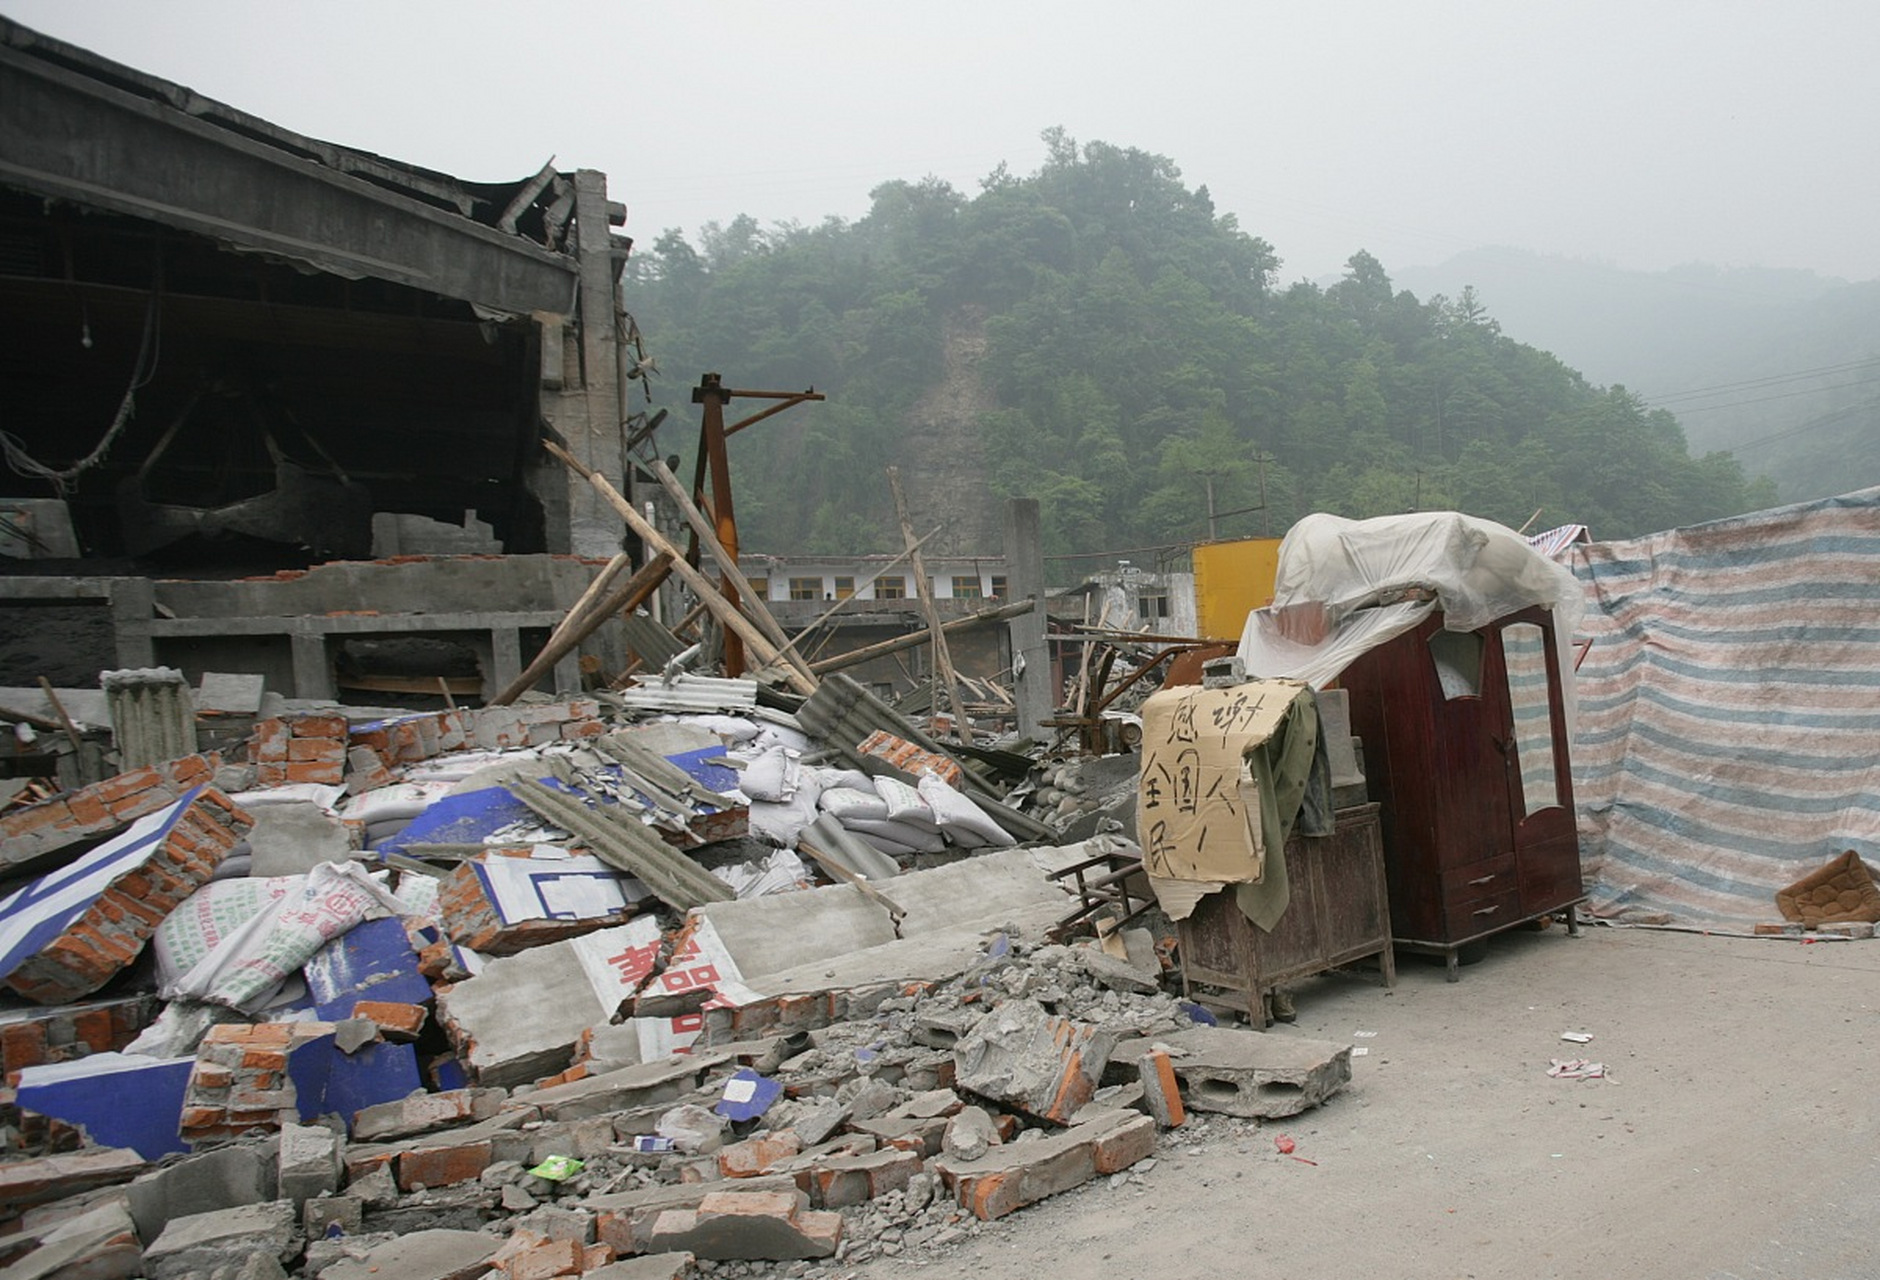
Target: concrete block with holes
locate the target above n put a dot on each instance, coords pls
(1248, 1073)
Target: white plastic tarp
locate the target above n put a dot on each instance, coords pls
(1476, 570)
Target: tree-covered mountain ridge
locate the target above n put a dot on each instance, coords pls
(1097, 336)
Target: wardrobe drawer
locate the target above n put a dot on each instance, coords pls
(1480, 915)
(1479, 881)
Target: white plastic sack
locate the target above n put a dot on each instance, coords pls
(905, 804)
(777, 735)
(772, 775)
(781, 824)
(730, 728)
(962, 821)
(243, 970)
(781, 872)
(850, 779)
(402, 801)
(327, 797)
(844, 803)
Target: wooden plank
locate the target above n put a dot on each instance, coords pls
(707, 594)
(943, 657)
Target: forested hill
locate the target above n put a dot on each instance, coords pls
(1097, 336)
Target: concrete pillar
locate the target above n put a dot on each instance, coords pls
(592, 416)
(313, 672)
(1024, 578)
(505, 661)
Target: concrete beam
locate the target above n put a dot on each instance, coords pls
(1031, 656)
(67, 135)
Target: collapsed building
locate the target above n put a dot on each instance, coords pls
(724, 962)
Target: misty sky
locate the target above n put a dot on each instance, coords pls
(1640, 134)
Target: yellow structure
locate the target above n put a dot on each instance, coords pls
(1232, 579)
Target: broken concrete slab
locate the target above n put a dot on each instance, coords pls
(36, 1180)
(310, 1162)
(771, 1226)
(969, 1135)
(424, 1112)
(291, 839)
(200, 1243)
(90, 1094)
(1019, 1055)
(624, 1219)
(99, 1244)
(437, 1254)
(213, 1180)
(651, 1266)
(841, 1181)
(519, 1019)
(644, 1085)
(1011, 1176)
(1249, 1073)
(67, 933)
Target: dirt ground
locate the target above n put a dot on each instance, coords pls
(1734, 1139)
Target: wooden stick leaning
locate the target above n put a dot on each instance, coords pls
(943, 657)
(707, 593)
(843, 603)
(628, 595)
(708, 539)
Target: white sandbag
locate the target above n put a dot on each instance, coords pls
(905, 804)
(843, 803)
(401, 800)
(245, 968)
(730, 728)
(780, 824)
(291, 793)
(781, 872)
(852, 779)
(206, 918)
(771, 775)
(962, 821)
(777, 735)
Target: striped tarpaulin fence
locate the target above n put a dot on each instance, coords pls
(1729, 710)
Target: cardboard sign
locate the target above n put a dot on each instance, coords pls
(1197, 806)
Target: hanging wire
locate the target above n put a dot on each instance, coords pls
(149, 355)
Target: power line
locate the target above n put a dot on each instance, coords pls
(1786, 395)
(1703, 392)
(1825, 420)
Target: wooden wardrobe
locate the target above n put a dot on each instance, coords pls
(1465, 749)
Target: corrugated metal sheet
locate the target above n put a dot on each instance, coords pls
(688, 692)
(1729, 708)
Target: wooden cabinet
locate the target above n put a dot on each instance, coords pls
(1465, 748)
(1337, 913)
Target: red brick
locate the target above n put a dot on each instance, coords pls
(48, 814)
(755, 1156)
(325, 750)
(88, 810)
(442, 1166)
(125, 785)
(322, 724)
(269, 744)
(23, 1045)
(396, 1021)
(310, 771)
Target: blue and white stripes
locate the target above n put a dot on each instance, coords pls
(1728, 740)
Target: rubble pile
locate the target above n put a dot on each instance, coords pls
(680, 981)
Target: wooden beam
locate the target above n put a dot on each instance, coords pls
(708, 595)
(843, 603)
(630, 594)
(943, 657)
(754, 605)
(914, 640)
